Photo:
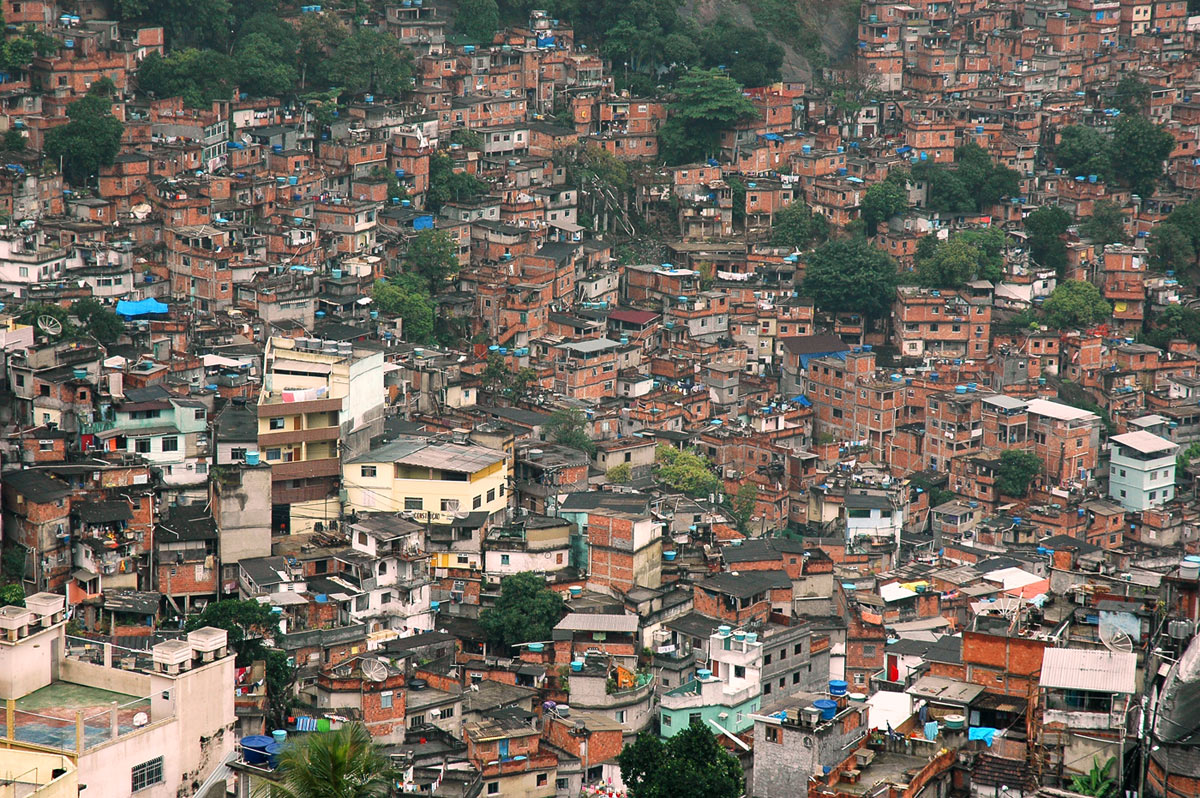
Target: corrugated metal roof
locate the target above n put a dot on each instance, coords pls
(597, 622)
(1096, 671)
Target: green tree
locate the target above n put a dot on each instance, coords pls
(1045, 227)
(1096, 782)
(569, 428)
(90, 140)
(251, 629)
(262, 66)
(1132, 95)
(691, 764)
(748, 56)
(620, 474)
(12, 594)
(495, 372)
(881, 202)
(851, 275)
(1187, 218)
(707, 101)
(477, 19)
(522, 383)
(31, 312)
(686, 471)
(988, 181)
(432, 256)
(958, 260)
(1186, 456)
(371, 61)
(1083, 150)
(525, 612)
(447, 185)
(1142, 146)
(14, 141)
(343, 763)
(405, 295)
(319, 35)
(1171, 248)
(1016, 470)
(1076, 304)
(1176, 321)
(798, 227)
(742, 506)
(198, 76)
(100, 322)
(1106, 225)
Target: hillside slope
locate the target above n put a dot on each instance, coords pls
(836, 22)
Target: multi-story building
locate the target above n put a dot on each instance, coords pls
(928, 322)
(1141, 470)
(724, 695)
(319, 400)
(427, 480)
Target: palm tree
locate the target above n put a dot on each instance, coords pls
(344, 763)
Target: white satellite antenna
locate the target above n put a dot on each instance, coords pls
(1118, 641)
(49, 325)
(374, 670)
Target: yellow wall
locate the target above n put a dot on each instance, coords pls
(385, 493)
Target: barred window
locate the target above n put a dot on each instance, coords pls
(147, 774)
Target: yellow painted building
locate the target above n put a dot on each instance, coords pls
(434, 481)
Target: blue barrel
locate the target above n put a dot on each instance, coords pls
(577, 665)
(273, 754)
(254, 748)
(828, 708)
(280, 736)
(669, 556)
(837, 687)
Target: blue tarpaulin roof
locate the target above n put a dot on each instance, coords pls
(142, 308)
(802, 400)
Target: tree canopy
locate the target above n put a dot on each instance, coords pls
(798, 227)
(477, 19)
(851, 275)
(1045, 227)
(90, 140)
(100, 322)
(407, 296)
(525, 612)
(961, 258)
(706, 102)
(1171, 248)
(1139, 149)
(686, 471)
(371, 61)
(432, 256)
(1106, 225)
(1083, 150)
(569, 428)
(1016, 470)
(972, 184)
(445, 184)
(691, 764)
(1076, 304)
(882, 201)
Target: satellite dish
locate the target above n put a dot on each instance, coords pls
(374, 670)
(49, 325)
(1118, 641)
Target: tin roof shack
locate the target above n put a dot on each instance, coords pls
(580, 634)
(1084, 697)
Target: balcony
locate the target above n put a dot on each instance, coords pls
(306, 469)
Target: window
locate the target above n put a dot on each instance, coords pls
(796, 677)
(868, 650)
(275, 423)
(666, 720)
(367, 471)
(694, 717)
(491, 495)
(799, 649)
(385, 699)
(504, 559)
(170, 444)
(739, 672)
(542, 779)
(274, 454)
(414, 503)
(620, 716)
(773, 735)
(147, 774)
(142, 445)
(449, 505)
(560, 785)
(767, 659)
(477, 502)
(493, 788)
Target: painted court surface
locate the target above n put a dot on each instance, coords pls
(47, 716)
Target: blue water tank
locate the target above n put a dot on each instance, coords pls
(254, 748)
(837, 687)
(828, 708)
